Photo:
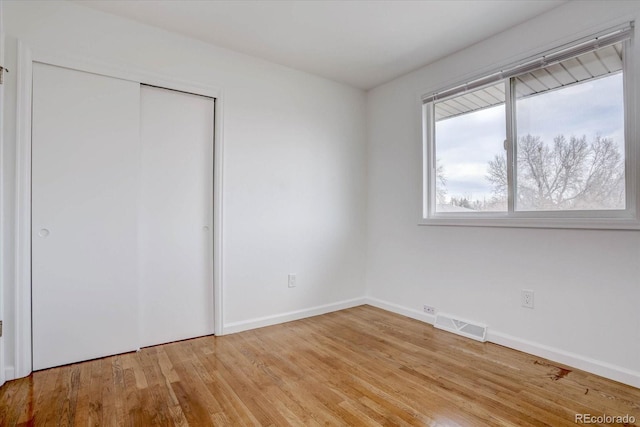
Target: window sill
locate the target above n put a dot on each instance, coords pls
(531, 222)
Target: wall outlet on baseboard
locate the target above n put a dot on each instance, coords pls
(292, 280)
(428, 309)
(526, 298)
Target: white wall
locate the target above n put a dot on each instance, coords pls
(294, 161)
(586, 283)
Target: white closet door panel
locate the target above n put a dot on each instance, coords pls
(86, 155)
(176, 216)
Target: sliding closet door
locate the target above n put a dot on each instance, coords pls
(176, 216)
(85, 154)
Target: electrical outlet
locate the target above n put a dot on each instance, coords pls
(526, 298)
(428, 309)
(292, 281)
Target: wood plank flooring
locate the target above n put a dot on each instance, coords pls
(361, 366)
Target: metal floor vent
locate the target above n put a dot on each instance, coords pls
(458, 326)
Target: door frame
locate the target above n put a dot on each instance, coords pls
(26, 57)
(3, 247)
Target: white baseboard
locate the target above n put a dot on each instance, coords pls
(9, 373)
(577, 361)
(574, 360)
(398, 309)
(260, 322)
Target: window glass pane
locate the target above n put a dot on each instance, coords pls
(471, 168)
(570, 135)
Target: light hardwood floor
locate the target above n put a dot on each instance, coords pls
(361, 366)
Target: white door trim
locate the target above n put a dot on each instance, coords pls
(22, 312)
(26, 58)
(2, 202)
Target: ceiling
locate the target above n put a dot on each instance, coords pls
(361, 43)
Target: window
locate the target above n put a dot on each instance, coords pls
(543, 143)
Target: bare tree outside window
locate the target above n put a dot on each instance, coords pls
(570, 174)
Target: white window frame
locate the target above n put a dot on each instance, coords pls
(583, 219)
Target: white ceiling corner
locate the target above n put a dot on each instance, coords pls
(361, 43)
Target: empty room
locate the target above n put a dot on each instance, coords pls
(341, 213)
